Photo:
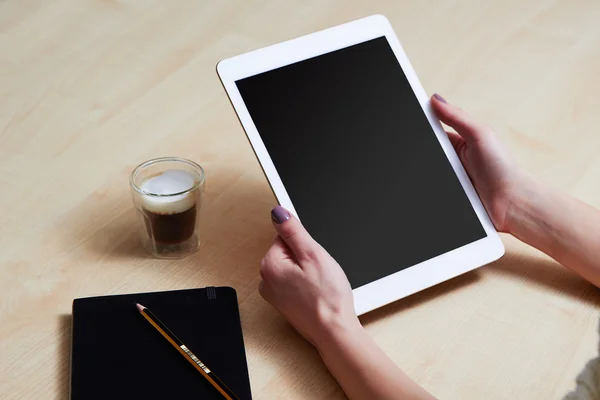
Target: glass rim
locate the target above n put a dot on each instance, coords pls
(153, 161)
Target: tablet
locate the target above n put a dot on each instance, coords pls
(348, 141)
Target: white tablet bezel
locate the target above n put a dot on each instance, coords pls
(417, 277)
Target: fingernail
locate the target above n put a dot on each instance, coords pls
(280, 215)
(440, 98)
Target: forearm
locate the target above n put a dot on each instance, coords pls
(560, 226)
(363, 370)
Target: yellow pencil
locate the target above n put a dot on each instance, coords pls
(191, 357)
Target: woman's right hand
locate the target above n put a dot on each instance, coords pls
(305, 284)
(494, 174)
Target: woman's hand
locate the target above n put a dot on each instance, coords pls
(493, 172)
(304, 283)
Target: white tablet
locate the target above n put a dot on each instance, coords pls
(347, 139)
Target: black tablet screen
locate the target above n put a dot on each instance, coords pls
(360, 161)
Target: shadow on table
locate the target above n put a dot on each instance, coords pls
(119, 236)
(419, 298)
(537, 270)
(105, 224)
(235, 207)
(545, 272)
(295, 369)
(273, 335)
(64, 355)
(283, 339)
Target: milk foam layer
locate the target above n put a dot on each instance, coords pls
(169, 182)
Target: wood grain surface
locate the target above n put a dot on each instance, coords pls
(90, 88)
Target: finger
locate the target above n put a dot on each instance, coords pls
(284, 250)
(293, 233)
(277, 260)
(466, 126)
(273, 262)
(455, 139)
(277, 253)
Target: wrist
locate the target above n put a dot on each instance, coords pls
(337, 329)
(520, 202)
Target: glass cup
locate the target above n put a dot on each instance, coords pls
(167, 194)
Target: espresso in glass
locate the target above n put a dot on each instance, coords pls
(167, 193)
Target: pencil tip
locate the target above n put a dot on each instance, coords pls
(139, 307)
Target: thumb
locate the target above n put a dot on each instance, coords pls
(293, 233)
(461, 121)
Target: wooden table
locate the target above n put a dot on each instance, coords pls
(88, 89)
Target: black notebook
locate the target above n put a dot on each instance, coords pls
(116, 354)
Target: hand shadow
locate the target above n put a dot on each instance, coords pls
(282, 339)
(64, 355)
(271, 340)
(542, 271)
(536, 270)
